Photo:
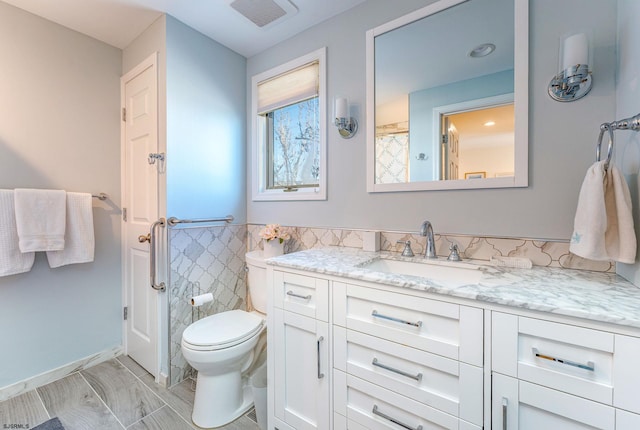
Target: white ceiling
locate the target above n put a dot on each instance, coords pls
(119, 22)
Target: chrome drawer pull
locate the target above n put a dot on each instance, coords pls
(417, 377)
(292, 294)
(375, 314)
(393, 420)
(320, 374)
(505, 403)
(591, 366)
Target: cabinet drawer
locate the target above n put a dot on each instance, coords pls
(442, 328)
(445, 384)
(572, 359)
(303, 295)
(373, 407)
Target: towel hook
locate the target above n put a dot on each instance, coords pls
(605, 127)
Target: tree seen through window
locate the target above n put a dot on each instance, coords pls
(294, 135)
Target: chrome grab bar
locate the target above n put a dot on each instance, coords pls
(590, 366)
(375, 314)
(320, 374)
(292, 294)
(375, 411)
(417, 377)
(152, 256)
(173, 221)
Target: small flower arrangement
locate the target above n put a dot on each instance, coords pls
(274, 231)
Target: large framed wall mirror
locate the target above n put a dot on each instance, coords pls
(447, 97)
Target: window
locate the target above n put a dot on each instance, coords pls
(289, 127)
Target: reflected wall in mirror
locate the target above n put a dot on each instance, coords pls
(447, 97)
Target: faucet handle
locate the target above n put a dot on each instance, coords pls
(407, 251)
(454, 255)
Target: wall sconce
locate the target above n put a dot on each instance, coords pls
(574, 81)
(347, 126)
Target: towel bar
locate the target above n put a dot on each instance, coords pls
(632, 123)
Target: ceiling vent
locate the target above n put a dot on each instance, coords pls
(265, 12)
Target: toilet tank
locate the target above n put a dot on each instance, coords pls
(257, 280)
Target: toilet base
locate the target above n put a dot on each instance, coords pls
(207, 417)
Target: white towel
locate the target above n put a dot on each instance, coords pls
(78, 238)
(40, 219)
(12, 261)
(603, 225)
(620, 237)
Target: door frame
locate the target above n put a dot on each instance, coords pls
(162, 376)
(466, 106)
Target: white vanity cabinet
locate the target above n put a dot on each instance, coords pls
(299, 356)
(403, 360)
(347, 353)
(555, 375)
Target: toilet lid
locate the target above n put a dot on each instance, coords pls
(222, 330)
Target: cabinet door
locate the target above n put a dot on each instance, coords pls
(301, 368)
(626, 420)
(626, 374)
(520, 405)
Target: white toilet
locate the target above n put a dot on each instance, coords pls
(222, 347)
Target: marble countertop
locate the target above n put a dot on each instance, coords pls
(597, 296)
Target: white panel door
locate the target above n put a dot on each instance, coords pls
(140, 198)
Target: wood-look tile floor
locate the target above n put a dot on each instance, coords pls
(117, 394)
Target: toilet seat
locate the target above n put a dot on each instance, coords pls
(222, 330)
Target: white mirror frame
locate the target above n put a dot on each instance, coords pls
(521, 99)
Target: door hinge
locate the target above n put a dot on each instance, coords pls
(445, 138)
(125, 313)
(124, 214)
(124, 114)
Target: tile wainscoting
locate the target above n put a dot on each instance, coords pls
(203, 260)
(540, 252)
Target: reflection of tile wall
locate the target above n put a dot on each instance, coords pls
(541, 253)
(203, 260)
(392, 158)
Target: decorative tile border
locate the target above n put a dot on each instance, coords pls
(203, 260)
(541, 253)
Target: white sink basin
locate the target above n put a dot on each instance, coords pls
(457, 273)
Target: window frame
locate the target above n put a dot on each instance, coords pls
(259, 142)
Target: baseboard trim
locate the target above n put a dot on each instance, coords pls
(49, 376)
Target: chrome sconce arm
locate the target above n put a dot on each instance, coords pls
(571, 84)
(347, 127)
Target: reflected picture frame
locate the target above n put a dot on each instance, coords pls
(475, 175)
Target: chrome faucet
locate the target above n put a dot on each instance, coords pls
(427, 230)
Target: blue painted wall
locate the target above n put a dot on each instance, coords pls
(206, 108)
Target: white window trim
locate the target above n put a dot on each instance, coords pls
(258, 161)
